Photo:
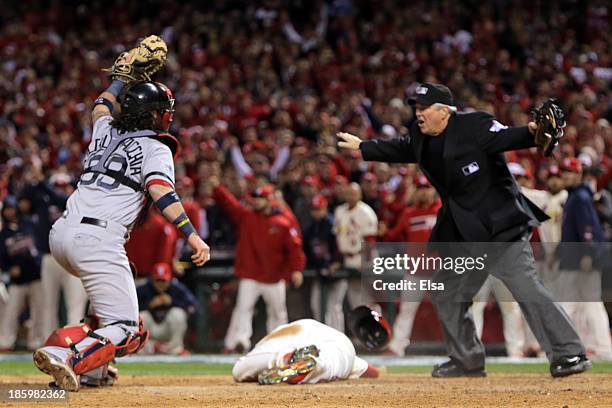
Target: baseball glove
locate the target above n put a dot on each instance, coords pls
(141, 62)
(550, 120)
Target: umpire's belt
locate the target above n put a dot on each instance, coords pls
(94, 221)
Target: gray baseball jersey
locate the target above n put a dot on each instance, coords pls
(141, 160)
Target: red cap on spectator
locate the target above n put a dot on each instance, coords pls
(369, 176)
(162, 271)
(571, 164)
(263, 192)
(318, 202)
(310, 181)
(421, 181)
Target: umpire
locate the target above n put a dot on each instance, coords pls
(462, 156)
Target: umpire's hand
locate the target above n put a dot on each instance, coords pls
(348, 141)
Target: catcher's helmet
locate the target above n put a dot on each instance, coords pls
(369, 327)
(148, 96)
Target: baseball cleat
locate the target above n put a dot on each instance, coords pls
(297, 365)
(108, 377)
(300, 353)
(292, 373)
(64, 377)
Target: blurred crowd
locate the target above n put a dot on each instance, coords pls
(262, 87)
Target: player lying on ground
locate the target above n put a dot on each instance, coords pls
(307, 352)
(129, 162)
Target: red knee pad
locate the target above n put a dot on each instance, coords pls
(68, 335)
(134, 341)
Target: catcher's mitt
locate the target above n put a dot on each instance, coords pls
(550, 120)
(140, 63)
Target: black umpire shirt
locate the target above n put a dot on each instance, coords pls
(481, 201)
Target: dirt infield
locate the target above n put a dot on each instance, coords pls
(391, 390)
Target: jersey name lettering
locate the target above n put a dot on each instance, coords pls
(133, 151)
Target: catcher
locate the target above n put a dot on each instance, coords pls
(462, 155)
(128, 164)
(308, 352)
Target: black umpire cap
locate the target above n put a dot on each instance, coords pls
(427, 94)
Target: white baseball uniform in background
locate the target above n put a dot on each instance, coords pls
(351, 227)
(337, 359)
(97, 254)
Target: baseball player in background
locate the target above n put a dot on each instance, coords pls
(414, 225)
(580, 267)
(354, 222)
(308, 352)
(153, 240)
(129, 163)
(268, 253)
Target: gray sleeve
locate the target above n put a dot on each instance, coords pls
(158, 165)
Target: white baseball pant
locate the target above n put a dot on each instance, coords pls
(241, 324)
(512, 316)
(335, 291)
(590, 316)
(402, 327)
(171, 330)
(17, 296)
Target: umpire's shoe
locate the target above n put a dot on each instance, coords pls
(570, 365)
(452, 369)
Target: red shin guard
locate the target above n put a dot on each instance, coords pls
(100, 352)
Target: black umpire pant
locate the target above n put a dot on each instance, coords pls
(514, 265)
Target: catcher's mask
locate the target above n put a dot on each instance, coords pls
(148, 96)
(370, 328)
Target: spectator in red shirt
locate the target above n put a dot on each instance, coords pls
(414, 225)
(153, 241)
(415, 222)
(268, 253)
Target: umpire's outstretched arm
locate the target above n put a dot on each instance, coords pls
(392, 151)
(493, 137)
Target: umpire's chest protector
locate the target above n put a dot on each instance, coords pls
(478, 191)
